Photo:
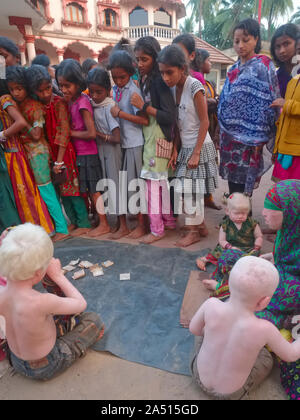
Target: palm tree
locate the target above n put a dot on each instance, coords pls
(203, 10)
(188, 25)
(296, 17)
(230, 14)
(273, 9)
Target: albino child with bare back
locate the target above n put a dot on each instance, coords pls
(231, 359)
(35, 347)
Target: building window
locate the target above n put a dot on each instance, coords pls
(138, 17)
(162, 18)
(74, 13)
(223, 73)
(110, 18)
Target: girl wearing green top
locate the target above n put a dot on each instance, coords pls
(159, 105)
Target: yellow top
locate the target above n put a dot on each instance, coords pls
(288, 126)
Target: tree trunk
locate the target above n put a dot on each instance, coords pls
(200, 17)
(270, 22)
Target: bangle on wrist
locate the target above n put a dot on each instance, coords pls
(58, 163)
(2, 136)
(228, 246)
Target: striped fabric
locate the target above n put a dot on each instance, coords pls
(30, 206)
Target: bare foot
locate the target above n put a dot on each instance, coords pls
(189, 239)
(137, 233)
(102, 229)
(203, 230)
(80, 231)
(150, 239)
(209, 202)
(210, 284)
(201, 263)
(120, 233)
(60, 237)
(71, 228)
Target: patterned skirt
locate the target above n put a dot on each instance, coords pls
(242, 164)
(203, 179)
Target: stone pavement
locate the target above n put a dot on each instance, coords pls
(102, 376)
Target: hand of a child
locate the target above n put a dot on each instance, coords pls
(54, 269)
(115, 111)
(173, 160)
(2, 136)
(193, 163)
(279, 102)
(137, 101)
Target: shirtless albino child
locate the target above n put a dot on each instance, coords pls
(26, 256)
(231, 359)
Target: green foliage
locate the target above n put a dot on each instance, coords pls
(219, 17)
(296, 17)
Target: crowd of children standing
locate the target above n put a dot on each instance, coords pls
(158, 122)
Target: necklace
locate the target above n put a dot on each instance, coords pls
(118, 94)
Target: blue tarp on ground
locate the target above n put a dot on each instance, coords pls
(141, 315)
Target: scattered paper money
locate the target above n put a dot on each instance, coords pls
(125, 276)
(107, 264)
(74, 262)
(68, 268)
(97, 272)
(78, 275)
(86, 264)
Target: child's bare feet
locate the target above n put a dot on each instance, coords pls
(102, 229)
(120, 233)
(203, 230)
(189, 239)
(210, 284)
(80, 231)
(60, 237)
(137, 233)
(71, 228)
(201, 263)
(150, 239)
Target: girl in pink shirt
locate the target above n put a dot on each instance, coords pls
(71, 81)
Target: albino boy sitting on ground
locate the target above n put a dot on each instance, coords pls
(36, 351)
(230, 359)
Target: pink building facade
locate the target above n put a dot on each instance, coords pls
(85, 28)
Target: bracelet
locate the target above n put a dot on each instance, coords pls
(228, 246)
(2, 136)
(58, 163)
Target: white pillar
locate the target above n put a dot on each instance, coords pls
(29, 39)
(150, 15)
(60, 54)
(22, 49)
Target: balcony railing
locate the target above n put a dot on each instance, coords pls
(159, 32)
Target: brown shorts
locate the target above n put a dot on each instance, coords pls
(260, 371)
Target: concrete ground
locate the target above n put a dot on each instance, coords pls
(102, 376)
